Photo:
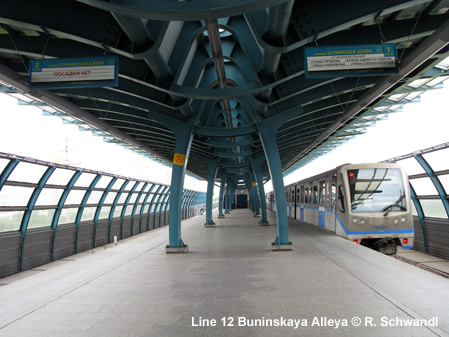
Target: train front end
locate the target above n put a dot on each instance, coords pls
(375, 205)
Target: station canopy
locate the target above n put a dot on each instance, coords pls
(220, 69)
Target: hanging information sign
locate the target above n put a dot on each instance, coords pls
(74, 72)
(357, 60)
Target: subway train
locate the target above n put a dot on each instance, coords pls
(368, 204)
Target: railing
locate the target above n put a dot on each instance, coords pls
(50, 211)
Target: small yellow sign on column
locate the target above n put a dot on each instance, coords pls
(179, 159)
(254, 184)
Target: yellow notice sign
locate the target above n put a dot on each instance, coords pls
(179, 159)
(254, 184)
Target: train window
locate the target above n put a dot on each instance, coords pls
(315, 194)
(341, 198)
(334, 194)
(302, 193)
(293, 195)
(322, 191)
(297, 196)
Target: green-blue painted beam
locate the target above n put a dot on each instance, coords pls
(436, 182)
(184, 137)
(157, 205)
(7, 171)
(213, 169)
(136, 204)
(79, 214)
(220, 198)
(125, 206)
(152, 205)
(420, 213)
(61, 202)
(144, 203)
(114, 205)
(99, 207)
(163, 207)
(30, 207)
(257, 167)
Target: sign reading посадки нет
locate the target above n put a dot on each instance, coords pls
(99, 71)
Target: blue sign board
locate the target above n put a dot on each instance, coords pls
(74, 72)
(356, 60)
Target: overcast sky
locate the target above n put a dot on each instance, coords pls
(26, 132)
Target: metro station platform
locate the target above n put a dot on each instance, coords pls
(231, 279)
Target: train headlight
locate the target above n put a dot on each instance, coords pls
(403, 219)
(355, 220)
(363, 221)
(396, 221)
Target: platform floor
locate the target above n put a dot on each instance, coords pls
(231, 276)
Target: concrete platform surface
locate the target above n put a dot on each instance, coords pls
(230, 283)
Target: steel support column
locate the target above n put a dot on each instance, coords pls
(220, 199)
(257, 168)
(184, 136)
(228, 193)
(213, 169)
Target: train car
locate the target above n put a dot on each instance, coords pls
(368, 204)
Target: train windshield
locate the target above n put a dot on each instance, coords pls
(377, 190)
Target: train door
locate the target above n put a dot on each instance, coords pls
(340, 207)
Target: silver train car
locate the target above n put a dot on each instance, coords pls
(368, 204)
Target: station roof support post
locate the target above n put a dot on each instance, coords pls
(220, 198)
(267, 132)
(184, 136)
(257, 167)
(255, 195)
(213, 169)
(228, 193)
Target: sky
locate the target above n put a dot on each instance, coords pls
(418, 126)
(25, 131)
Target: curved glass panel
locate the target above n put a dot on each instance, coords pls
(423, 186)
(133, 198)
(104, 213)
(68, 215)
(103, 182)
(49, 196)
(95, 197)
(411, 166)
(88, 213)
(75, 197)
(15, 195)
(26, 172)
(110, 197)
(41, 218)
(433, 208)
(85, 179)
(123, 197)
(437, 160)
(60, 177)
(376, 190)
(129, 210)
(3, 163)
(444, 180)
(10, 221)
(118, 212)
(130, 185)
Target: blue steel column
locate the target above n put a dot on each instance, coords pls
(231, 196)
(30, 207)
(255, 194)
(213, 169)
(184, 136)
(228, 194)
(267, 132)
(62, 199)
(257, 168)
(220, 199)
(100, 205)
(79, 215)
